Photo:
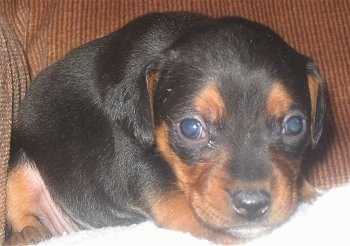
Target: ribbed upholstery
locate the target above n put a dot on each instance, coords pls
(47, 29)
(13, 82)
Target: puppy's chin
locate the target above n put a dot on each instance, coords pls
(249, 232)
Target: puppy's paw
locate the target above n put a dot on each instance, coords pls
(29, 235)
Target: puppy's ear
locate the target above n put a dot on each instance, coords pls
(144, 131)
(152, 74)
(318, 102)
(140, 115)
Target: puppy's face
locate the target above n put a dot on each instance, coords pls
(234, 110)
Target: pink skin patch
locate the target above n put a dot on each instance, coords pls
(29, 201)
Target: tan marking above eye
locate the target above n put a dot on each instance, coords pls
(279, 101)
(210, 104)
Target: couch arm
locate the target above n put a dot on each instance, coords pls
(14, 78)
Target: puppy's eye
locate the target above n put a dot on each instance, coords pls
(191, 128)
(293, 125)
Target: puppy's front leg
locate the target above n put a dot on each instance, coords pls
(24, 194)
(31, 213)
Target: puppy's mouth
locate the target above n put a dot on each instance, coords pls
(249, 232)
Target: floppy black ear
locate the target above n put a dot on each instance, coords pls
(140, 110)
(144, 120)
(318, 102)
(151, 76)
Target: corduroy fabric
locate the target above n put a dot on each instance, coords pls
(13, 81)
(47, 29)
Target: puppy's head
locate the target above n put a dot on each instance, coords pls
(234, 109)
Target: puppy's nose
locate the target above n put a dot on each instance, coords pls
(251, 205)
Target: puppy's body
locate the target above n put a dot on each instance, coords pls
(85, 123)
(108, 135)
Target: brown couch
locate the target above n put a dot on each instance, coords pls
(34, 34)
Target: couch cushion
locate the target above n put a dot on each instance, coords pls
(14, 78)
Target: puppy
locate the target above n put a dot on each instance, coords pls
(195, 123)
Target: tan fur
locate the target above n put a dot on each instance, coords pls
(313, 90)
(278, 101)
(210, 104)
(21, 206)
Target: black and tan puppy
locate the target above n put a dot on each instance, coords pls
(195, 123)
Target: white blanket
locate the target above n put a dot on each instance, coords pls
(325, 222)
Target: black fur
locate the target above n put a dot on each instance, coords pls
(86, 121)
